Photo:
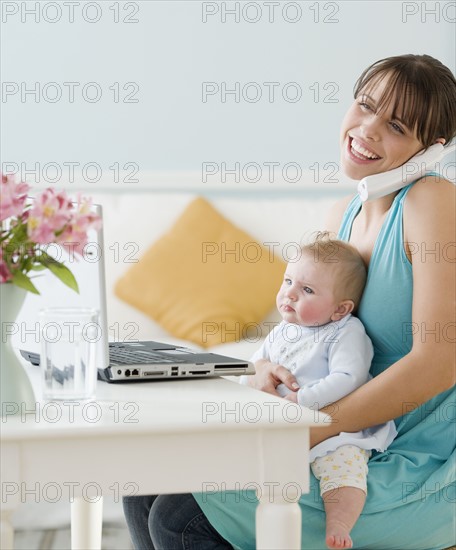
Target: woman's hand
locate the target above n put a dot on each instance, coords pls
(269, 375)
(293, 397)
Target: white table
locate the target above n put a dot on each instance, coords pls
(159, 437)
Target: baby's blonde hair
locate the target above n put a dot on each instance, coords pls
(347, 263)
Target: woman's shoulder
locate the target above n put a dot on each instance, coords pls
(336, 213)
(431, 196)
(431, 187)
(429, 211)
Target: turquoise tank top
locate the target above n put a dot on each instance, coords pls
(389, 287)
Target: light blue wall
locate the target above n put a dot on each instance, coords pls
(170, 52)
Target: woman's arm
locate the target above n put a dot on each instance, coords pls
(429, 368)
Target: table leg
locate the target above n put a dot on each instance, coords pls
(278, 524)
(86, 524)
(6, 531)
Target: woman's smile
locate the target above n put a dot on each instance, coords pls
(360, 151)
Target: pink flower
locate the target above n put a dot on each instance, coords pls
(51, 218)
(12, 196)
(75, 235)
(85, 216)
(50, 214)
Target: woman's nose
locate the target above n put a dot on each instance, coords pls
(370, 127)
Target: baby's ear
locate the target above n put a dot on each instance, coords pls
(344, 308)
(441, 140)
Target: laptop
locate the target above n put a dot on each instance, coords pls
(126, 361)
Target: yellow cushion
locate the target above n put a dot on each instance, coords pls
(206, 280)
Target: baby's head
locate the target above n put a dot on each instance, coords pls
(324, 284)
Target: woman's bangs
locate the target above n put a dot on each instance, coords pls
(410, 102)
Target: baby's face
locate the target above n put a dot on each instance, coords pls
(306, 296)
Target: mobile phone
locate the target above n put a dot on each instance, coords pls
(378, 185)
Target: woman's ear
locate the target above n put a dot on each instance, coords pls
(344, 308)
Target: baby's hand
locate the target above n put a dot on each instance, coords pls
(292, 396)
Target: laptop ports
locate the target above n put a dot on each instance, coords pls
(127, 372)
(135, 372)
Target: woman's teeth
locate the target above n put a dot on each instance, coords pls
(359, 152)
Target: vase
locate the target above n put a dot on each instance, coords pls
(15, 387)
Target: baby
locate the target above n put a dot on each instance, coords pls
(329, 353)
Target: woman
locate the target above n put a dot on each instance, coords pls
(402, 105)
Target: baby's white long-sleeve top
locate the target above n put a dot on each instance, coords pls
(328, 361)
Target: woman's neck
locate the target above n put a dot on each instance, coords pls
(367, 225)
(372, 210)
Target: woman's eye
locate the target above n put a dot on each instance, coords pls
(397, 128)
(364, 106)
(307, 290)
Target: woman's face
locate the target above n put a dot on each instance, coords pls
(371, 141)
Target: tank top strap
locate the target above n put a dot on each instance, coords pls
(355, 204)
(350, 214)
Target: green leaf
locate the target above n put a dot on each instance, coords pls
(21, 280)
(38, 267)
(60, 271)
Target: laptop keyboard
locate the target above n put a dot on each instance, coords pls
(122, 356)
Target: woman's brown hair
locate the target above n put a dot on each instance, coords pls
(423, 92)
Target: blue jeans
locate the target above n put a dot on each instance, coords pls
(170, 522)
